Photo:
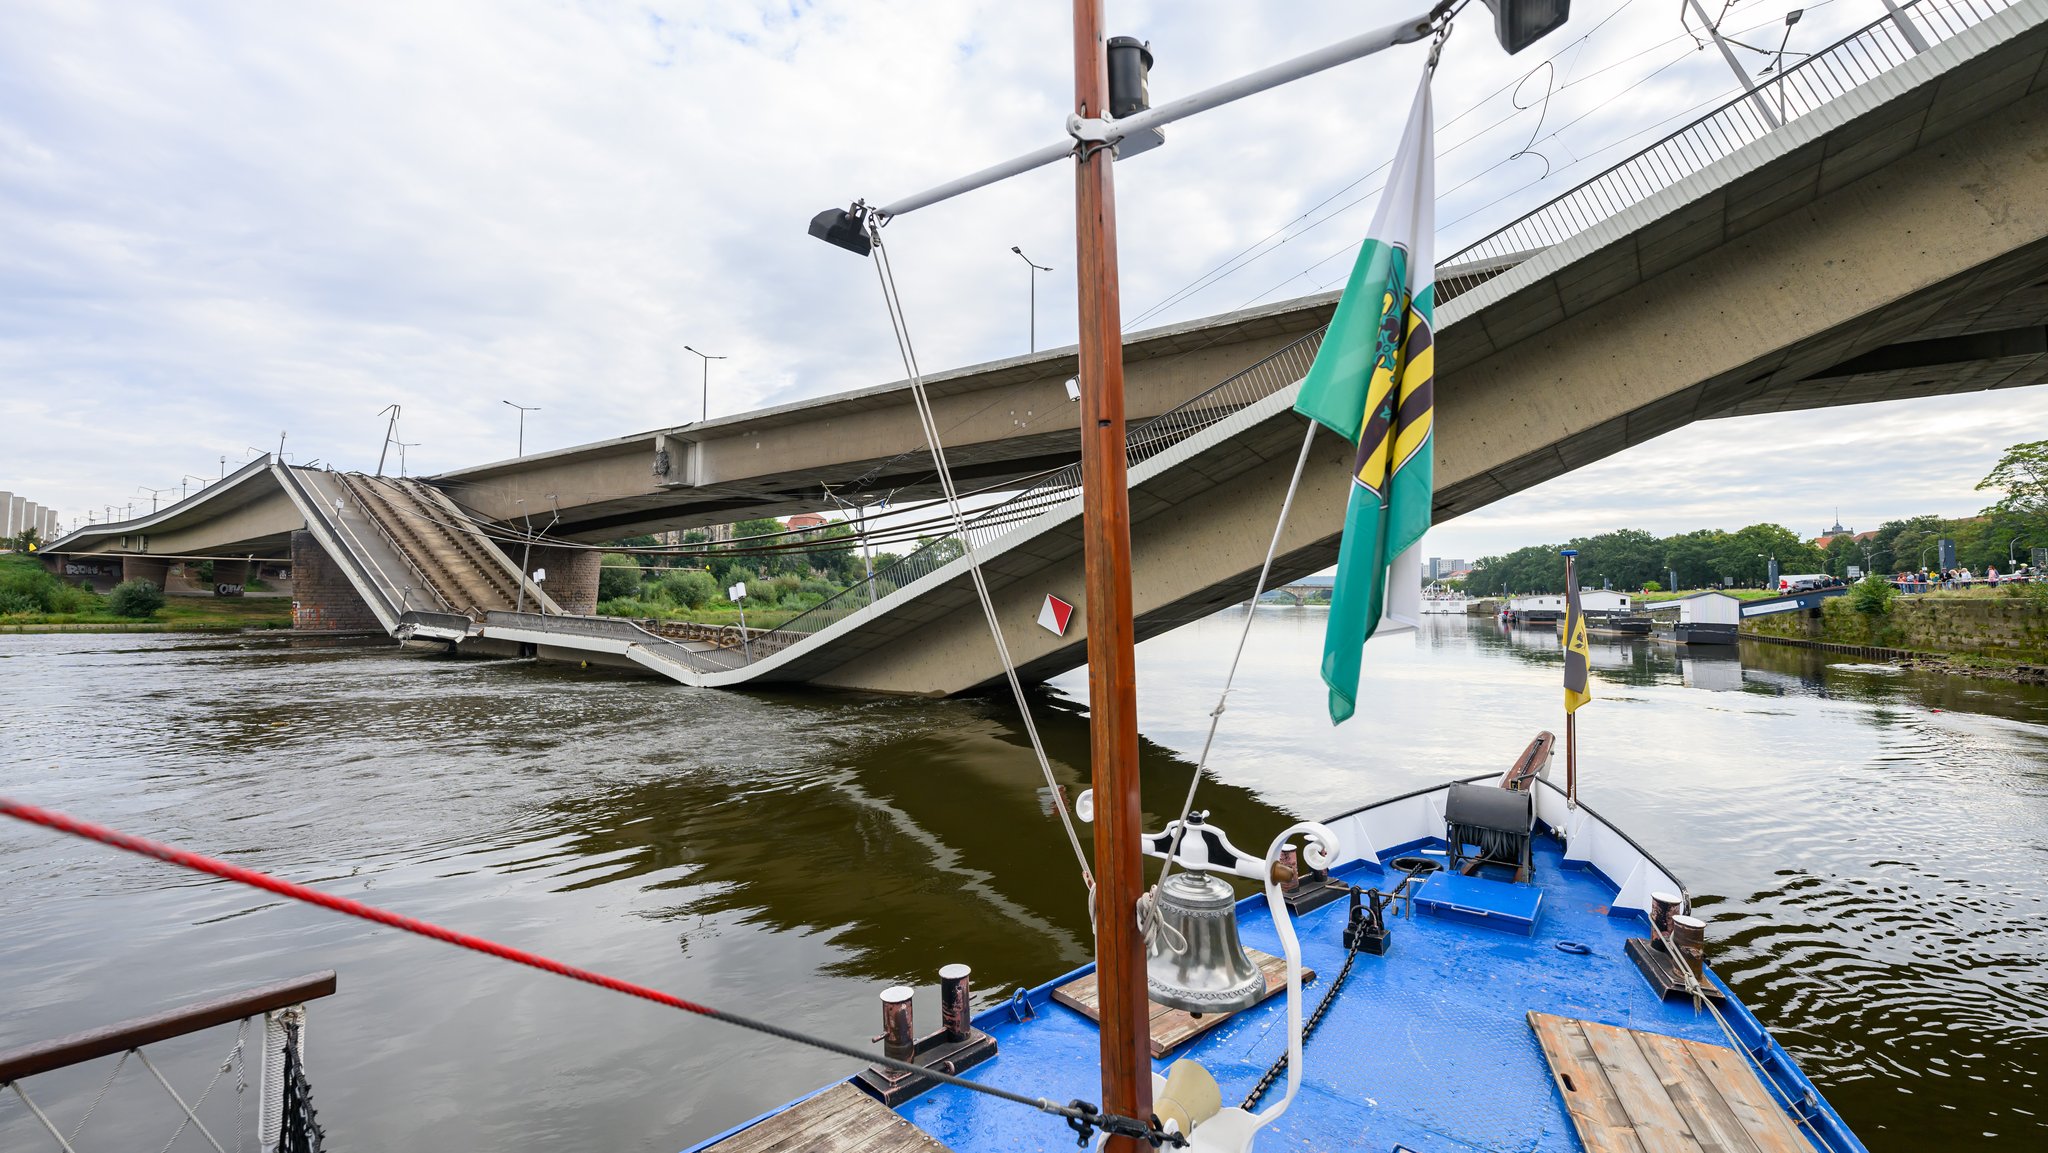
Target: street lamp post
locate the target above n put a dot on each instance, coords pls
(523, 410)
(1036, 268)
(705, 413)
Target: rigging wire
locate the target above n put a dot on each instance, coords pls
(1077, 1113)
(885, 273)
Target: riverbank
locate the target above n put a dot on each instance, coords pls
(179, 615)
(2002, 634)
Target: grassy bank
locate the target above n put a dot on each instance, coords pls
(179, 614)
(33, 600)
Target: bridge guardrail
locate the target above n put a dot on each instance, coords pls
(1858, 57)
(611, 628)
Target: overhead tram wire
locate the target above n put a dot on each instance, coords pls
(1078, 1114)
(1237, 263)
(1224, 269)
(1683, 113)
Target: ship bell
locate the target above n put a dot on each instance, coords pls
(1193, 960)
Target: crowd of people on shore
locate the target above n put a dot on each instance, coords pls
(1962, 578)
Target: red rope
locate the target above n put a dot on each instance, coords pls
(66, 823)
(1083, 1116)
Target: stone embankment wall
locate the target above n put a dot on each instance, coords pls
(2009, 627)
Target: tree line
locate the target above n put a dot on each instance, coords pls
(2000, 536)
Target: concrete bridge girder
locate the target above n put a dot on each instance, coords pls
(1001, 422)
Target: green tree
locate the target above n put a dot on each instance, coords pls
(2022, 474)
(137, 598)
(1872, 595)
(618, 577)
(690, 588)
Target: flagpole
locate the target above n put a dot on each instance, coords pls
(1571, 718)
(1124, 1011)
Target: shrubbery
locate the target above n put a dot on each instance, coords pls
(618, 577)
(690, 589)
(29, 588)
(1872, 595)
(137, 598)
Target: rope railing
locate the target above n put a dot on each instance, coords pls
(279, 1006)
(1797, 90)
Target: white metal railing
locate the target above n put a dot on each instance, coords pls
(1861, 56)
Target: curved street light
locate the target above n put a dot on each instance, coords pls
(705, 414)
(1036, 268)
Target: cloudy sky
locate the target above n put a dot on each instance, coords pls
(220, 222)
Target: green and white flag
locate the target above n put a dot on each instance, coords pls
(1373, 384)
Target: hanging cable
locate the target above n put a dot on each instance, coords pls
(1078, 1114)
(886, 274)
(1148, 903)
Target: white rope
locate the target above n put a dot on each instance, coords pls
(191, 1118)
(1148, 919)
(886, 274)
(99, 1096)
(23, 1094)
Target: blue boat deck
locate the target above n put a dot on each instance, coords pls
(1427, 1048)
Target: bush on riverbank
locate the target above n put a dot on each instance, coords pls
(1872, 596)
(27, 587)
(137, 599)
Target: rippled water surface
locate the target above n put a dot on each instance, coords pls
(1868, 845)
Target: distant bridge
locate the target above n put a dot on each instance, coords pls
(1890, 241)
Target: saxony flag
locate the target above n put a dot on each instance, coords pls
(1372, 383)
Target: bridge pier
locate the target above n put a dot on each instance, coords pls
(572, 575)
(156, 572)
(233, 574)
(323, 600)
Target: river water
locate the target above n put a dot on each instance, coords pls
(1867, 844)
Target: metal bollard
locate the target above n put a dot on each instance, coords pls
(1690, 935)
(899, 1038)
(1663, 906)
(953, 1002)
(1290, 860)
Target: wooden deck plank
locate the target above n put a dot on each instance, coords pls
(1657, 1122)
(1631, 1090)
(1764, 1118)
(1595, 1111)
(1171, 1028)
(1691, 1087)
(842, 1119)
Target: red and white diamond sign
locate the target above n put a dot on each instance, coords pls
(1055, 615)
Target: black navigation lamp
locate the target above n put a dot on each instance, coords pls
(842, 228)
(1130, 67)
(1520, 23)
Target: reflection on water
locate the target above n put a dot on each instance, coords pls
(1865, 841)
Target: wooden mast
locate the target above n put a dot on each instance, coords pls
(1112, 679)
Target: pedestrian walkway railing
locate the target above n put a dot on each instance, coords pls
(1795, 91)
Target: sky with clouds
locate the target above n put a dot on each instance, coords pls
(223, 222)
